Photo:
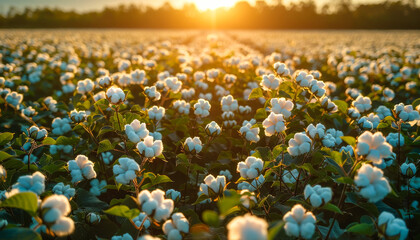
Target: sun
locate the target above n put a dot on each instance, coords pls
(213, 4)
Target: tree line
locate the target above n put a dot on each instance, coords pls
(339, 14)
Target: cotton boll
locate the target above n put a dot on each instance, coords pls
(274, 123)
(85, 86)
(347, 149)
(353, 113)
(30, 183)
(3, 173)
(336, 134)
(247, 227)
(362, 104)
(139, 220)
(317, 195)
(302, 78)
(136, 131)
(150, 148)
(299, 222)
(14, 99)
(392, 227)
(115, 95)
(317, 87)
(213, 129)
(105, 81)
(373, 186)
(93, 218)
(389, 94)
(228, 103)
(248, 199)
(250, 168)
(212, 187)
(175, 226)
(251, 134)
(126, 236)
(392, 139)
(328, 105)
(173, 194)
(408, 169)
(182, 107)
(155, 205)
(299, 144)
(282, 106)
(406, 112)
(139, 77)
(315, 132)
(156, 113)
(281, 69)
(202, 108)
(54, 210)
(37, 134)
(187, 94)
(245, 109)
(97, 187)
(290, 176)
(173, 84)
(65, 190)
(81, 168)
(373, 146)
(270, 82)
(226, 173)
(126, 170)
(193, 145)
(152, 93)
(107, 157)
(61, 126)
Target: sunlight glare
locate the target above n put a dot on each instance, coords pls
(213, 4)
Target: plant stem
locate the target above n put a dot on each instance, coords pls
(340, 203)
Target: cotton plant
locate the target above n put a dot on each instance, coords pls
(228, 103)
(85, 86)
(156, 113)
(392, 227)
(152, 93)
(193, 145)
(213, 129)
(247, 227)
(142, 221)
(270, 82)
(81, 168)
(126, 170)
(362, 104)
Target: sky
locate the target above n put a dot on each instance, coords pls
(89, 5)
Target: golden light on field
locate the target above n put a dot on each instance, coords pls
(213, 4)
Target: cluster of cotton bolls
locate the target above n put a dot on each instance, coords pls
(155, 205)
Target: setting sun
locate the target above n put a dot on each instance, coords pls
(213, 4)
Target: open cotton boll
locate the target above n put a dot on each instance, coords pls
(328, 141)
(270, 82)
(78, 116)
(182, 107)
(81, 168)
(187, 94)
(281, 69)
(30, 183)
(54, 210)
(61, 126)
(228, 103)
(406, 112)
(348, 149)
(372, 184)
(247, 227)
(36, 133)
(155, 205)
(156, 113)
(328, 105)
(139, 220)
(14, 99)
(315, 132)
(126, 170)
(226, 173)
(336, 134)
(138, 77)
(373, 147)
(290, 176)
(274, 123)
(303, 78)
(229, 78)
(107, 157)
(213, 129)
(369, 122)
(299, 222)
(136, 131)
(104, 81)
(152, 93)
(150, 148)
(250, 168)
(362, 104)
(245, 109)
(202, 108)
(173, 84)
(193, 145)
(97, 187)
(125, 236)
(85, 86)
(408, 169)
(299, 144)
(393, 227)
(317, 87)
(282, 106)
(317, 195)
(389, 94)
(65, 190)
(251, 134)
(173, 194)
(212, 186)
(392, 139)
(248, 198)
(177, 225)
(115, 95)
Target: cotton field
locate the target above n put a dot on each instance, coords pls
(124, 135)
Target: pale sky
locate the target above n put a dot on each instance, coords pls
(88, 5)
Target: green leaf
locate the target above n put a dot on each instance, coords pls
(260, 114)
(4, 156)
(334, 164)
(201, 198)
(211, 218)
(123, 211)
(349, 140)
(161, 179)
(274, 232)
(344, 180)
(342, 105)
(362, 228)
(226, 203)
(388, 119)
(20, 233)
(5, 137)
(256, 93)
(331, 207)
(417, 139)
(416, 103)
(48, 141)
(104, 146)
(26, 201)
(382, 125)
(62, 140)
